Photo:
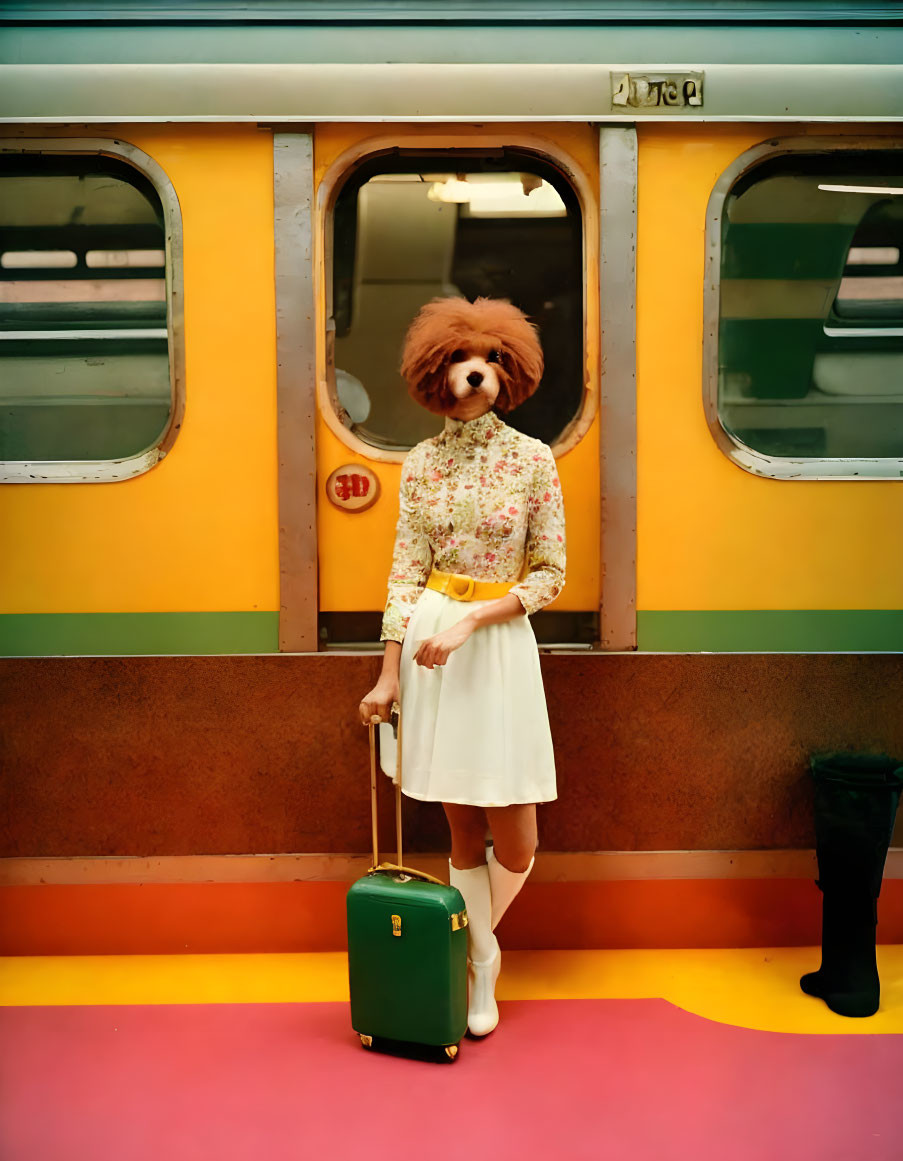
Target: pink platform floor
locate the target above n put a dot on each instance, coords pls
(631, 1080)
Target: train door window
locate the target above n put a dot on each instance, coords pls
(810, 314)
(407, 229)
(85, 360)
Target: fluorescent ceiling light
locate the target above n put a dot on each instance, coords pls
(453, 190)
(869, 189)
(105, 258)
(873, 256)
(38, 259)
(500, 197)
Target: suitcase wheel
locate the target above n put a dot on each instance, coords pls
(451, 1050)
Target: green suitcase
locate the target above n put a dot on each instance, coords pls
(407, 947)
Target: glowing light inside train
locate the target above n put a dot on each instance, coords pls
(500, 197)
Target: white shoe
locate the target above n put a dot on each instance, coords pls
(485, 959)
(504, 885)
(482, 1010)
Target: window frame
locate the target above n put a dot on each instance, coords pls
(752, 461)
(457, 146)
(109, 471)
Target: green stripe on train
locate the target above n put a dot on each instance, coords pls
(88, 634)
(772, 631)
(191, 634)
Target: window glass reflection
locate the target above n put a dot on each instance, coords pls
(811, 321)
(84, 353)
(409, 230)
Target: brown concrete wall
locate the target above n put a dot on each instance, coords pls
(198, 755)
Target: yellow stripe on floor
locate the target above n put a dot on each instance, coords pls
(745, 987)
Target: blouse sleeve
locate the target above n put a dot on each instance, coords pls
(412, 559)
(545, 546)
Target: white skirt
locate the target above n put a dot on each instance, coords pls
(476, 730)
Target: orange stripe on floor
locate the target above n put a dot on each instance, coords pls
(206, 918)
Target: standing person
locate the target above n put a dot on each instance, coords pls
(479, 545)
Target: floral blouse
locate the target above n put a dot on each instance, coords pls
(483, 500)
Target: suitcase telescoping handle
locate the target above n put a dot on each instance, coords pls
(398, 865)
(374, 783)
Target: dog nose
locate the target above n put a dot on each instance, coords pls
(475, 378)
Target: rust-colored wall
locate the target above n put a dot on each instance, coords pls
(204, 755)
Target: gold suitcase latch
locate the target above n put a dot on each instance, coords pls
(396, 925)
(458, 920)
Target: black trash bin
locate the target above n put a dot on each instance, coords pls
(856, 799)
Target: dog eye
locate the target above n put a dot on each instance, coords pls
(457, 357)
(494, 357)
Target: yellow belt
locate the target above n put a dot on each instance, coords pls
(465, 588)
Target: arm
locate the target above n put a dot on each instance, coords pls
(412, 557)
(411, 563)
(378, 702)
(545, 549)
(545, 563)
(436, 650)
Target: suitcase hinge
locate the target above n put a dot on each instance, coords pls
(458, 920)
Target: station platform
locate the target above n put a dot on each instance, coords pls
(647, 1054)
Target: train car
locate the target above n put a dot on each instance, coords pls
(216, 221)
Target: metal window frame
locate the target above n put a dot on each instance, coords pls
(618, 411)
(327, 193)
(108, 471)
(745, 457)
(296, 391)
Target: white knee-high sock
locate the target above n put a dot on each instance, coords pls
(474, 887)
(485, 957)
(504, 885)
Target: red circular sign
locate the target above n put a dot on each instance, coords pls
(353, 488)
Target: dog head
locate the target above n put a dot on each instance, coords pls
(455, 349)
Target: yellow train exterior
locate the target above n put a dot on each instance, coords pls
(199, 533)
(206, 589)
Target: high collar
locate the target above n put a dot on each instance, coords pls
(472, 431)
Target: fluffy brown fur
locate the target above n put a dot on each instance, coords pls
(446, 325)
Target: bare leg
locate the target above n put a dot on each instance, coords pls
(513, 835)
(511, 857)
(468, 835)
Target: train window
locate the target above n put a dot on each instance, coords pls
(85, 374)
(810, 314)
(407, 229)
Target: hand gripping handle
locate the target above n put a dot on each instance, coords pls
(374, 782)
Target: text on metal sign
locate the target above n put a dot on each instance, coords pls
(672, 90)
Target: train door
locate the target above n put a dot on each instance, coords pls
(503, 211)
